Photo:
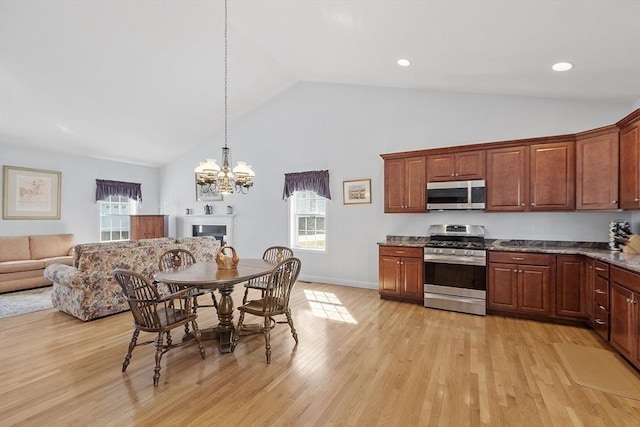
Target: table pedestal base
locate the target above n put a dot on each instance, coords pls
(224, 331)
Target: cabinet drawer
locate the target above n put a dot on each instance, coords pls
(403, 251)
(520, 258)
(625, 278)
(601, 321)
(601, 295)
(601, 269)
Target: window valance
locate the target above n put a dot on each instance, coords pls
(317, 181)
(105, 188)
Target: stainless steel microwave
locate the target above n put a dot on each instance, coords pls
(455, 195)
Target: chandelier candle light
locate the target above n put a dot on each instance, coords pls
(223, 180)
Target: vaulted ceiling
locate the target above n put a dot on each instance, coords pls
(143, 81)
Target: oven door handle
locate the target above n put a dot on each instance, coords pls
(464, 260)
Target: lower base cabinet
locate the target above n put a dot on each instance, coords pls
(400, 273)
(571, 287)
(520, 282)
(625, 313)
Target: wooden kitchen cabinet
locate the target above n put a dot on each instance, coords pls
(520, 282)
(630, 162)
(601, 299)
(461, 166)
(552, 178)
(401, 273)
(149, 226)
(625, 314)
(571, 287)
(540, 177)
(405, 184)
(597, 169)
(507, 172)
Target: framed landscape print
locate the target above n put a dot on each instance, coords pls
(30, 193)
(205, 193)
(356, 192)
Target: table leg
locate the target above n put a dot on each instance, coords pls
(225, 318)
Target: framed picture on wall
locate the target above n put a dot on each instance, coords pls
(30, 193)
(205, 193)
(356, 192)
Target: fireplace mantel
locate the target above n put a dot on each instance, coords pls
(184, 224)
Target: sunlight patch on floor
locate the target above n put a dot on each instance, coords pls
(327, 306)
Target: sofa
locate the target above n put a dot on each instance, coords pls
(23, 259)
(87, 289)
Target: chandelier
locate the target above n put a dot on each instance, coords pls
(223, 180)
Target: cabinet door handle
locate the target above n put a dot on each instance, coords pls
(533, 204)
(599, 322)
(614, 201)
(517, 258)
(600, 269)
(522, 204)
(637, 200)
(399, 252)
(598, 291)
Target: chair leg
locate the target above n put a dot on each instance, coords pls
(244, 298)
(236, 334)
(267, 338)
(156, 370)
(132, 345)
(198, 336)
(293, 329)
(215, 301)
(194, 308)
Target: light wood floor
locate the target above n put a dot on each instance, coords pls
(361, 361)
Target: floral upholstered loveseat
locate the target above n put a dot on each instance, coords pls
(87, 289)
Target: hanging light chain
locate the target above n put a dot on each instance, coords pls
(226, 75)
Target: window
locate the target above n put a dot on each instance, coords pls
(114, 218)
(308, 221)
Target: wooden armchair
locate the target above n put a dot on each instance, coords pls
(176, 258)
(273, 254)
(275, 301)
(157, 314)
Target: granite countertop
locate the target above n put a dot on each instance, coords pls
(593, 250)
(597, 250)
(411, 241)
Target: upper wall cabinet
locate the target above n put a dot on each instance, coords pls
(630, 162)
(507, 177)
(405, 184)
(597, 169)
(461, 166)
(552, 178)
(539, 177)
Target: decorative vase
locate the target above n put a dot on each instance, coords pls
(227, 262)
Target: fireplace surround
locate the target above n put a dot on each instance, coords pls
(213, 225)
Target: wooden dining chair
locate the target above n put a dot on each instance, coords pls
(176, 258)
(275, 301)
(273, 254)
(155, 313)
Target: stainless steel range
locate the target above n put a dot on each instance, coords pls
(455, 269)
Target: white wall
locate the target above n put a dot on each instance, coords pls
(79, 210)
(344, 129)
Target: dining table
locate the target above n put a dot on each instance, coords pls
(207, 275)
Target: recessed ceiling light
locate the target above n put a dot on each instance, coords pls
(404, 62)
(562, 66)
